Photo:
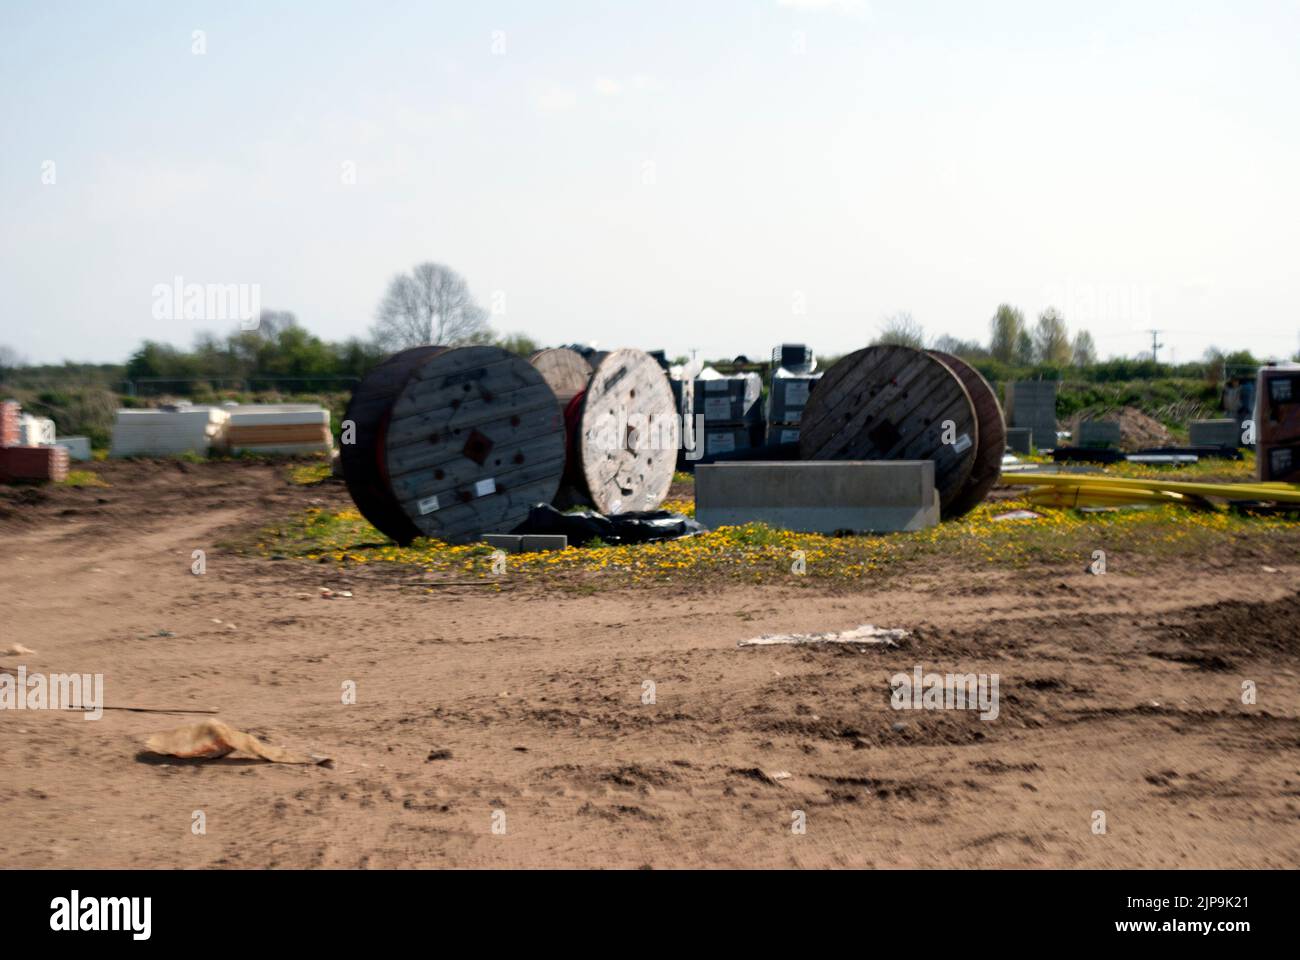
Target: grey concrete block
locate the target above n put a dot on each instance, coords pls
(527, 542)
(1097, 433)
(1214, 433)
(538, 542)
(1032, 404)
(1020, 440)
(819, 496)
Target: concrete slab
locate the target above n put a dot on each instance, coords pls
(1097, 433)
(819, 496)
(1020, 440)
(527, 542)
(1214, 433)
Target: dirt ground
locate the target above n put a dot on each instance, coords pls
(1119, 694)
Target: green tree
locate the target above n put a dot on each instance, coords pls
(1051, 338)
(1007, 326)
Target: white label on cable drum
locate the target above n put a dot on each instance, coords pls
(427, 505)
(484, 487)
(963, 443)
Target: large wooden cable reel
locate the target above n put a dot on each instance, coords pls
(992, 434)
(470, 439)
(625, 434)
(894, 403)
(564, 370)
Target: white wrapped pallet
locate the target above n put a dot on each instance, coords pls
(35, 431)
(162, 433)
(279, 429)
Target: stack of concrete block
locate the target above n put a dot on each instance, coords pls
(819, 496)
(162, 433)
(1215, 433)
(1097, 433)
(1277, 423)
(684, 403)
(78, 447)
(733, 416)
(1032, 404)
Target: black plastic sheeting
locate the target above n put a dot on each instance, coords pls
(583, 526)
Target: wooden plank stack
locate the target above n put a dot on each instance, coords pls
(287, 429)
(452, 442)
(896, 403)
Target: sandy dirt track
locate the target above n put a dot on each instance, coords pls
(1118, 693)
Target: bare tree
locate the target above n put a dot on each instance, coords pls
(1084, 351)
(431, 304)
(901, 330)
(9, 360)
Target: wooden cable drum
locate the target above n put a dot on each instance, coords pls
(453, 443)
(892, 403)
(624, 434)
(992, 435)
(362, 460)
(564, 370)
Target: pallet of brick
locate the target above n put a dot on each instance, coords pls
(1032, 404)
(779, 433)
(1277, 404)
(788, 396)
(684, 404)
(285, 429)
(165, 433)
(10, 412)
(728, 400)
(727, 439)
(1214, 433)
(33, 463)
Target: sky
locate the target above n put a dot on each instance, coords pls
(717, 175)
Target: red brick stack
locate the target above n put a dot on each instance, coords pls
(26, 463)
(33, 463)
(9, 432)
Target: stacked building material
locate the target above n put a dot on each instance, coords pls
(733, 416)
(1032, 404)
(1097, 433)
(78, 447)
(279, 429)
(785, 402)
(169, 432)
(35, 431)
(1020, 440)
(9, 416)
(33, 463)
(1215, 433)
(1277, 412)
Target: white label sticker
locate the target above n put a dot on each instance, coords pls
(720, 442)
(716, 386)
(963, 442)
(796, 393)
(427, 505)
(717, 408)
(789, 436)
(484, 487)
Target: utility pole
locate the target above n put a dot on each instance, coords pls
(1155, 345)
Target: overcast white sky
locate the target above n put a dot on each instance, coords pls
(658, 174)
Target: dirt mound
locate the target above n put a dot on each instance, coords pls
(1136, 429)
